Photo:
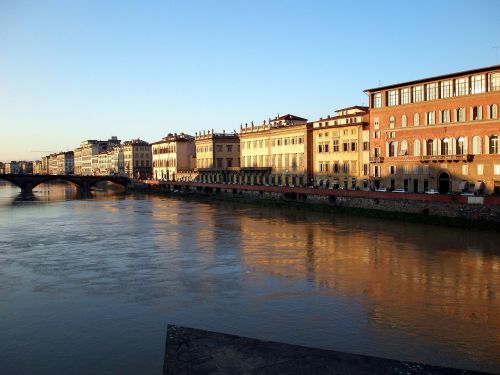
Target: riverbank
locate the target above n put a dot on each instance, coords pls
(194, 351)
(450, 210)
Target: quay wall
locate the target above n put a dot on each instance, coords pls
(468, 208)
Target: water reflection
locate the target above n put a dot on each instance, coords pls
(376, 287)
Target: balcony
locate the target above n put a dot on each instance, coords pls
(466, 158)
(376, 159)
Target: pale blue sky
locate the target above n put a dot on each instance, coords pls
(75, 70)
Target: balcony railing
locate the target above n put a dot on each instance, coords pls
(376, 159)
(446, 158)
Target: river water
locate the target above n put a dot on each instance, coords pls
(89, 285)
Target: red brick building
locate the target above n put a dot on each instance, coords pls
(438, 133)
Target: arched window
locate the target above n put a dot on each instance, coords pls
(428, 147)
(460, 114)
(392, 122)
(403, 148)
(460, 149)
(476, 145)
(416, 147)
(392, 148)
(403, 121)
(444, 146)
(493, 112)
(416, 119)
(476, 113)
(494, 144)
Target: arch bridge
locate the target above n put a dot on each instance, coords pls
(27, 182)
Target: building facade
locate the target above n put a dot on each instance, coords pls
(174, 156)
(341, 149)
(277, 153)
(137, 159)
(84, 154)
(218, 157)
(439, 133)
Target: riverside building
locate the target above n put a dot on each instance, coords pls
(276, 152)
(85, 163)
(439, 133)
(174, 156)
(218, 157)
(137, 159)
(341, 149)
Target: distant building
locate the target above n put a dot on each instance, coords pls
(84, 162)
(2, 168)
(341, 149)
(174, 155)
(218, 157)
(37, 167)
(12, 167)
(277, 152)
(438, 133)
(137, 159)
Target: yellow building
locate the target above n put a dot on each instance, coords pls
(277, 152)
(218, 157)
(137, 159)
(341, 149)
(174, 157)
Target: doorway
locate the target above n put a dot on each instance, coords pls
(444, 183)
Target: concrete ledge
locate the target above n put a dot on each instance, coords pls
(193, 351)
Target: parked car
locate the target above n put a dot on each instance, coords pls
(431, 191)
(382, 189)
(399, 191)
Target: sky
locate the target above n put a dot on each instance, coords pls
(77, 70)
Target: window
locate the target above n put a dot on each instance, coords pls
(393, 97)
(345, 146)
(418, 94)
(405, 96)
(444, 116)
(496, 169)
(392, 169)
(376, 123)
(460, 114)
(392, 149)
(432, 91)
(335, 145)
(445, 89)
(345, 167)
(405, 170)
(415, 169)
(493, 112)
(366, 146)
(229, 148)
(460, 146)
(391, 122)
(480, 169)
(404, 121)
(404, 148)
(376, 171)
(476, 113)
(425, 169)
(465, 169)
(495, 81)
(229, 162)
(416, 147)
(430, 118)
(476, 145)
(444, 146)
(416, 119)
(494, 144)
(376, 152)
(354, 146)
(428, 147)
(365, 169)
(377, 100)
(477, 83)
(461, 86)
(376, 134)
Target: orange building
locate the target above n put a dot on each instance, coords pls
(439, 133)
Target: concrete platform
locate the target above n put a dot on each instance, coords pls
(192, 351)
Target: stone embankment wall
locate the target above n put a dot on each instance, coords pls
(453, 206)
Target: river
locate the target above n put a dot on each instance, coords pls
(89, 285)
